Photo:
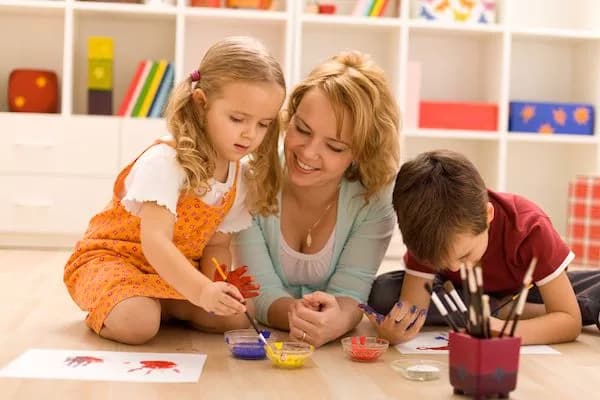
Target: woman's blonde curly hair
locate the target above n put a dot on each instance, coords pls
(231, 59)
(353, 83)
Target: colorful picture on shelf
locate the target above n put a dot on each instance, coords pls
(464, 11)
(549, 117)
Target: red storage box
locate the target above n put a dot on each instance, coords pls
(31, 90)
(458, 115)
(583, 225)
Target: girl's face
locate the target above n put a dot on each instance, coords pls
(314, 155)
(239, 116)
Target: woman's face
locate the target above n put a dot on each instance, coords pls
(314, 155)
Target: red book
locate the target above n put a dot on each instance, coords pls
(131, 89)
(458, 115)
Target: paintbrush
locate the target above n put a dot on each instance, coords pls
(526, 282)
(449, 288)
(260, 335)
(507, 302)
(440, 307)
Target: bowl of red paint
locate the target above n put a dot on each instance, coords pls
(364, 348)
(245, 344)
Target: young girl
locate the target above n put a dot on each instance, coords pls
(147, 255)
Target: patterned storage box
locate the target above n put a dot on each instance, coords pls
(541, 117)
(33, 90)
(583, 225)
(465, 11)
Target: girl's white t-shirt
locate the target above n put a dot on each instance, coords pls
(158, 177)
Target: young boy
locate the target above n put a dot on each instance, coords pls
(448, 217)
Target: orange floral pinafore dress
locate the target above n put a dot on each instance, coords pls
(108, 265)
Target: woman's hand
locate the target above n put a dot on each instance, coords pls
(316, 319)
(220, 298)
(402, 323)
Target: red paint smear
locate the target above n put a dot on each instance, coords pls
(155, 365)
(82, 361)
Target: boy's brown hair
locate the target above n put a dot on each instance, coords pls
(437, 195)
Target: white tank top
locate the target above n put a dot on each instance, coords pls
(306, 269)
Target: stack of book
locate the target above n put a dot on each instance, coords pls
(148, 90)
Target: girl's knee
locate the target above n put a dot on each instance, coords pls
(133, 321)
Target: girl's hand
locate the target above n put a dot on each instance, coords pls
(315, 319)
(401, 324)
(220, 298)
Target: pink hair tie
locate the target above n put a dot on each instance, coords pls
(195, 76)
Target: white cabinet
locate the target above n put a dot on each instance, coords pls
(537, 50)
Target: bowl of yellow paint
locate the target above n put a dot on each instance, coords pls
(288, 354)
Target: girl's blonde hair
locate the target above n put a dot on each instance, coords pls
(354, 84)
(228, 60)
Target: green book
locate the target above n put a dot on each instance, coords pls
(140, 100)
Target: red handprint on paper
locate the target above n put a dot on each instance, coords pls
(238, 278)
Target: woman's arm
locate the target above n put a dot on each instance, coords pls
(251, 247)
(562, 321)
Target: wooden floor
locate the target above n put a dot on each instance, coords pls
(38, 313)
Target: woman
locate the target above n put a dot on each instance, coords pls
(316, 261)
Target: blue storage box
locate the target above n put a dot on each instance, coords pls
(547, 118)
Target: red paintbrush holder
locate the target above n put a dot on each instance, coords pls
(483, 367)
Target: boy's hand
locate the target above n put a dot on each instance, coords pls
(220, 298)
(238, 278)
(401, 324)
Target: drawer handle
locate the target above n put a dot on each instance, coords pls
(43, 145)
(33, 204)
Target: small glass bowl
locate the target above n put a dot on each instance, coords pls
(245, 344)
(419, 370)
(288, 354)
(364, 348)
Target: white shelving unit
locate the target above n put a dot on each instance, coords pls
(57, 170)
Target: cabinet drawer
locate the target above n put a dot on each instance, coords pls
(137, 134)
(54, 144)
(51, 204)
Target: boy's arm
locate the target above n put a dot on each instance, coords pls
(560, 323)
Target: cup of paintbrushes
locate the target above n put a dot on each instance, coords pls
(483, 367)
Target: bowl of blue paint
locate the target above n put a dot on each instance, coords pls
(245, 344)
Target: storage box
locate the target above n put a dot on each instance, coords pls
(464, 11)
(583, 223)
(458, 115)
(33, 90)
(545, 117)
(483, 367)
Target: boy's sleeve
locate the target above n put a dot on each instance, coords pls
(414, 267)
(363, 251)
(250, 248)
(542, 241)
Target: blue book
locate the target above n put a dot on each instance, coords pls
(162, 95)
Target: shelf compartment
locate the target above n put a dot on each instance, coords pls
(207, 30)
(321, 42)
(39, 48)
(483, 153)
(556, 14)
(472, 63)
(451, 134)
(160, 11)
(235, 14)
(126, 29)
(545, 180)
(554, 69)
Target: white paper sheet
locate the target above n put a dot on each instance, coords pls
(437, 343)
(105, 366)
